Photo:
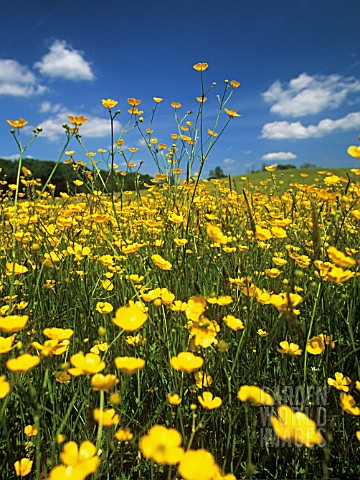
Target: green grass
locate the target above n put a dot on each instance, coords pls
(288, 177)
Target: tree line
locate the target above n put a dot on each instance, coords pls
(64, 176)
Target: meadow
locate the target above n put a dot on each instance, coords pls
(197, 330)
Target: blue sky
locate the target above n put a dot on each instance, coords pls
(298, 62)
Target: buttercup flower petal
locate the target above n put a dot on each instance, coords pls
(129, 365)
(197, 465)
(4, 387)
(162, 445)
(255, 395)
(186, 362)
(23, 467)
(130, 318)
(13, 323)
(296, 427)
(354, 151)
(23, 363)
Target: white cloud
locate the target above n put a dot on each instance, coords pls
(97, 127)
(277, 156)
(63, 61)
(94, 127)
(47, 107)
(14, 156)
(296, 130)
(141, 142)
(18, 80)
(307, 95)
(228, 161)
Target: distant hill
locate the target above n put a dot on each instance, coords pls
(285, 178)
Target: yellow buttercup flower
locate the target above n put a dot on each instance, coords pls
(232, 113)
(286, 301)
(104, 307)
(340, 382)
(135, 340)
(348, 404)
(289, 348)
(339, 258)
(129, 365)
(130, 318)
(6, 344)
(200, 67)
(23, 363)
(107, 417)
(17, 123)
(23, 467)
(203, 332)
(58, 333)
(195, 307)
(4, 387)
(88, 364)
(186, 362)
(174, 398)
(254, 394)
(73, 455)
(272, 272)
(135, 111)
(162, 445)
(316, 345)
(233, 323)
(16, 268)
(203, 380)
(209, 402)
(77, 121)
(62, 377)
(278, 232)
(215, 234)
(109, 103)
(52, 347)
(197, 465)
(212, 133)
(262, 233)
(224, 300)
(103, 382)
(124, 434)
(13, 323)
(99, 347)
(161, 262)
(353, 151)
(133, 102)
(235, 84)
(296, 427)
(107, 285)
(31, 430)
(79, 462)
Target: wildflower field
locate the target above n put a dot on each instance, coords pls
(180, 331)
